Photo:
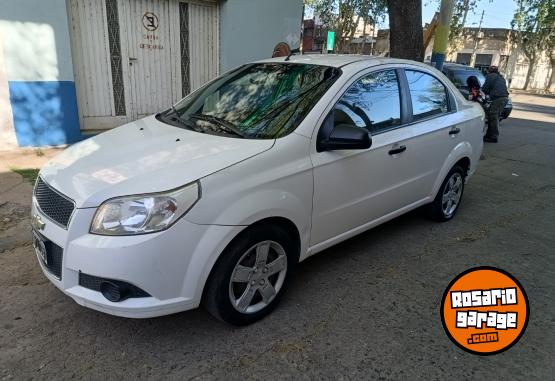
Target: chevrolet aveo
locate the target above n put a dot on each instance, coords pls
(217, 199)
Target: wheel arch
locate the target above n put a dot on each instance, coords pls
(464, 163)
(283, 222)
(461, 155)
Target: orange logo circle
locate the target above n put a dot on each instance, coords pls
(485, 310)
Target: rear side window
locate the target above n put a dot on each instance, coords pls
(371, 102)
(427, 93)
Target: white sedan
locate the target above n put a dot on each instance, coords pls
(217, 199)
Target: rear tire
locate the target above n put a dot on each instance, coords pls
(449, 196)
(251, 275)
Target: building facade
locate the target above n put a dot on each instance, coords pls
(314, 36)
(70, 68)
(495, 47)
(491, 47)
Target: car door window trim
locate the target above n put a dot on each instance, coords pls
(451, 103)
(406, 103)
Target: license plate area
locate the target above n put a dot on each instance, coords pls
(39, 244)
(48, 253)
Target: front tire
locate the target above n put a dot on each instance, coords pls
(449, 197)
(251, 275)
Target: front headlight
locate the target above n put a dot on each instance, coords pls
(146, 213)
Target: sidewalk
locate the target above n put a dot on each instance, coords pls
(13, 187)
(540, 108)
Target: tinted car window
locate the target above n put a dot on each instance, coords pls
(459, 77)
(258, 101)
(371, 102)
(428, 95)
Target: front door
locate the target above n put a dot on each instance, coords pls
(150, 29)
(352, 187)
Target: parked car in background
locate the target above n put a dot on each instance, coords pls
(217, 199)
(458, 74)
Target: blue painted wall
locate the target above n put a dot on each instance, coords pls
(44, 112)
(35, 52)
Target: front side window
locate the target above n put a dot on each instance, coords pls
(255, 101)
(371, 102)
(427, 93)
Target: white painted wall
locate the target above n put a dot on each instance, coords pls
(249, 29)
(36, 40)
(7, 132)
(34, 46)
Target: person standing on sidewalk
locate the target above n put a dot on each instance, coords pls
(496, 87)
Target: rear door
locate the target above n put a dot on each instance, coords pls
(437, 128)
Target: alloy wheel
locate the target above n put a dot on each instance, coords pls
(452, 194)
(258, 277)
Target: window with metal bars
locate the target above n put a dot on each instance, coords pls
(184, 47)
(115, 56)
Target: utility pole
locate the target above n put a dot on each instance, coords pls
(465, 13)
(441, 38)
(460, 36)
(372, 39)
(477, 38)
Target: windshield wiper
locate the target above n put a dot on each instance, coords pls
(184, 121)
(222, 123)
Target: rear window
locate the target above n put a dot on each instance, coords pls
(459, 77)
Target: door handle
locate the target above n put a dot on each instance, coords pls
(395, 151)
(454, 131)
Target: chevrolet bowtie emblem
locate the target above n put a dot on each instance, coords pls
(37, 222)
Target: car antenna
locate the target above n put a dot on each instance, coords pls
(293, 51)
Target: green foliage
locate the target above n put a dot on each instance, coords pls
(29, 174)
(461, 8)
(343, 16)
(534, 26)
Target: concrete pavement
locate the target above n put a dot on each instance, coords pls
(365, 309)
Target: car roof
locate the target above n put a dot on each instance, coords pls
(336, 60)
(457, 66)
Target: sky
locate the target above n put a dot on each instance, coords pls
(497, 13)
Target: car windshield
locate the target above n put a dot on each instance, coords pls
(460, 76)
(255, 101)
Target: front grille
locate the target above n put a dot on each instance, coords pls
(54, 255)
(93, 283)
(53, 204)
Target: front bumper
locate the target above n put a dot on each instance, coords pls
(171, 266)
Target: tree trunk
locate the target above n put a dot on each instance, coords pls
(551, 86)
(363, 38)
(351, 35)
(405, 29)
(531, 66)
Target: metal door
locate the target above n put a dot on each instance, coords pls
(99, 69)
(153, 49)
(133, 58)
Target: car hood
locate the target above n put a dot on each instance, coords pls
(145, 156)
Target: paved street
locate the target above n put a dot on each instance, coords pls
(365, 309)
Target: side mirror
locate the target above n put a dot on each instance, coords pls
(345, 136)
